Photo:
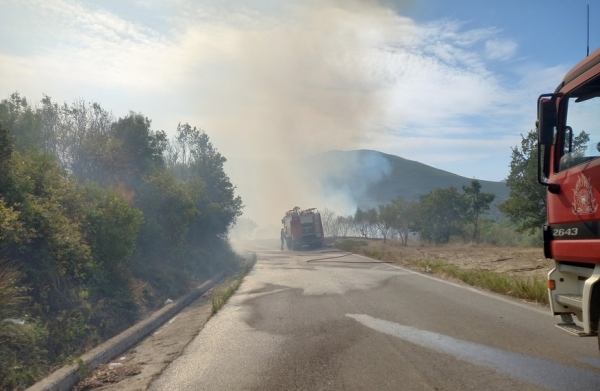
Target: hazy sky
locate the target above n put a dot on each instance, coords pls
(448, 83)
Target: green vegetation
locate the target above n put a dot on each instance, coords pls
(101, 220)
(219, 299)
(526, 206)
(437, 217)
(21, 344)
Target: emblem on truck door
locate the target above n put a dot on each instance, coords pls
(584, 202)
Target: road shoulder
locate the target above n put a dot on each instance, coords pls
(138, 367)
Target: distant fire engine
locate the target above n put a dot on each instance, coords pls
(303, 227)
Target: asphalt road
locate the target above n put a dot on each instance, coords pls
(300, 322)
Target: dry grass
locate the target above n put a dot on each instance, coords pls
(517, 272)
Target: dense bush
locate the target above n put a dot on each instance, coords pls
(100, 222)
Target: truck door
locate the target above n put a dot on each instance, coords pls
(573, 213)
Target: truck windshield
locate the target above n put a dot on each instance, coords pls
(581, 135)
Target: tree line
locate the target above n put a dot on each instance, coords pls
(437, 216)
(101, 219)
(447, 213)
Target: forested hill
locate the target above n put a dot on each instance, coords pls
(372, 178)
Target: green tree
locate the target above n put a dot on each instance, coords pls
(386, 215)
(442, 214)
(141, 148)
(526, 206)
(344, 225)
(477, 203)
(21, 119)
(361, 220)
(405, 217)
(169, 208)
(374, 227)
(111, 228)
(201, 161)
(6, 150)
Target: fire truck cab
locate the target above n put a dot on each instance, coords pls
(568, 128)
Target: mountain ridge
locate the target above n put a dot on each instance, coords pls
(373, 178)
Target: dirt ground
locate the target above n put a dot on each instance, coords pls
(522, 261)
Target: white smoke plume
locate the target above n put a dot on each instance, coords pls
(298, 86)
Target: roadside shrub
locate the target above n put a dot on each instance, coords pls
(22, 347)
(21, 341)
(504, 234)
(501, 234)
(95, 256)
(532, 240)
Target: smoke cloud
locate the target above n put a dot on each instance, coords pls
(272, 82)
(296, 86)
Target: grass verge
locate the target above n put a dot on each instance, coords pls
(532, 289)
(219, 298)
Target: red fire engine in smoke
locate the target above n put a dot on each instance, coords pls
(568, 128)
(303, 228)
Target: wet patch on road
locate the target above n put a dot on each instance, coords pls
(534, 370)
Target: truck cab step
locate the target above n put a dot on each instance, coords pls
(572, 300)
(573, 329)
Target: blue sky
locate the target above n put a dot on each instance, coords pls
(542, 29)
(451, 84)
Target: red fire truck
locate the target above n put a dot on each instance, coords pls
(569, 167)
(303, 227)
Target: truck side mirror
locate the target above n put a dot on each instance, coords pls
(545, 124)
(546, 121)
